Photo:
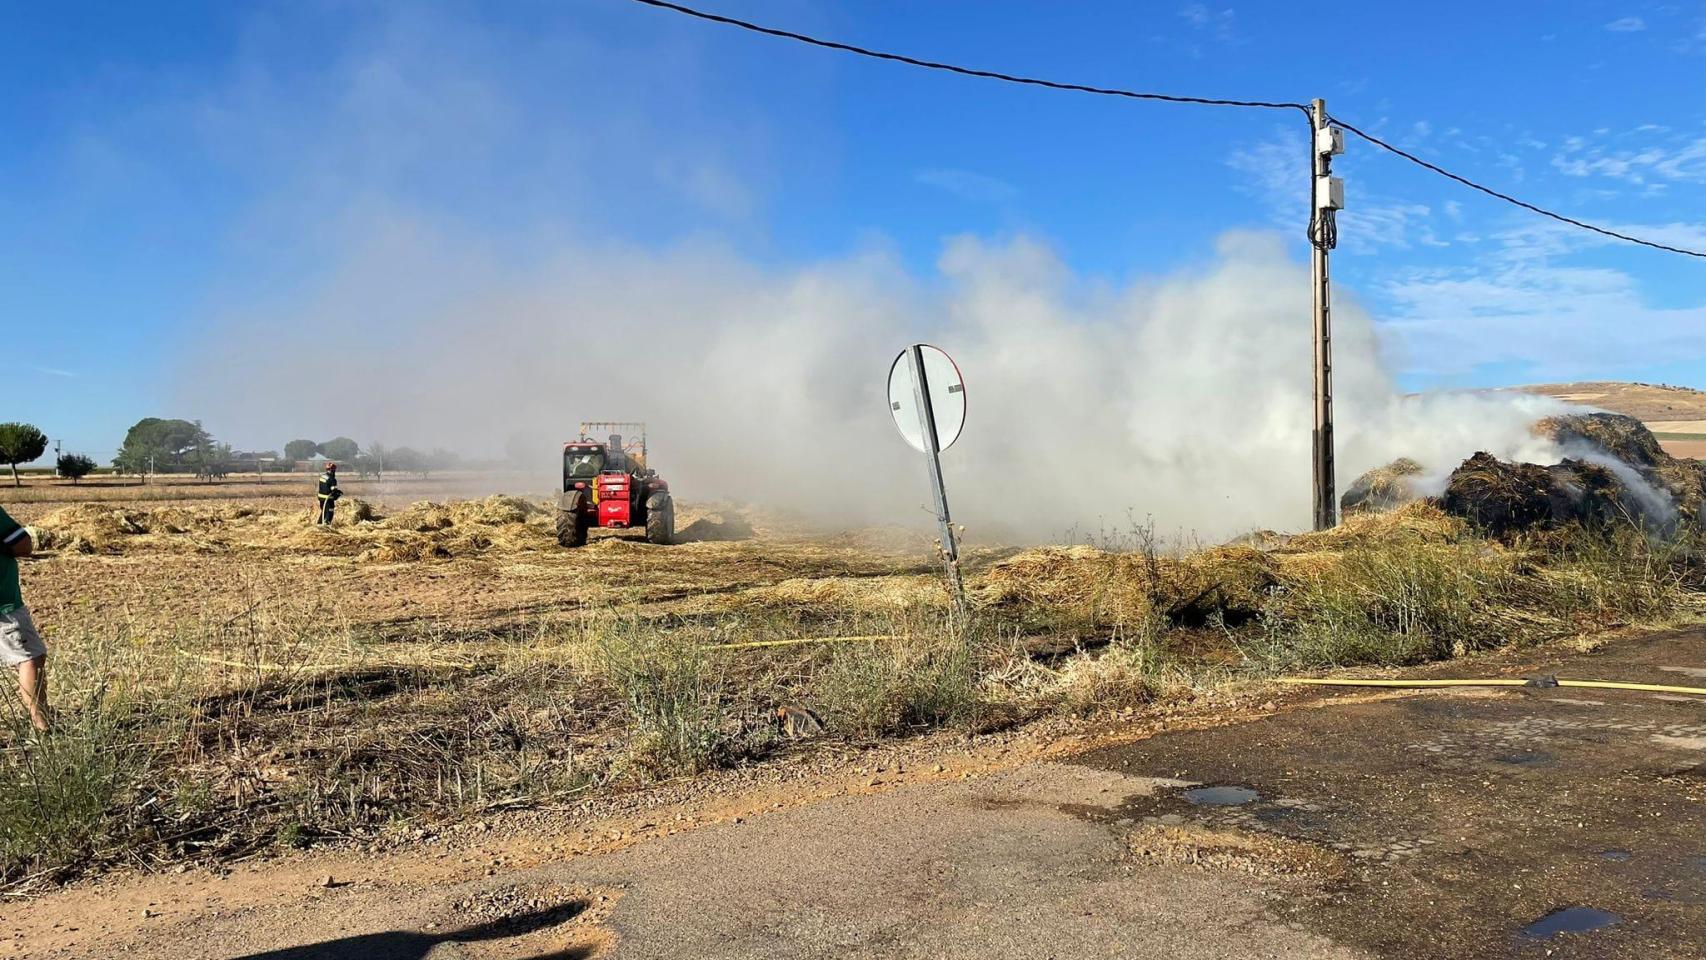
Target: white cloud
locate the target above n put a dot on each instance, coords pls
(1221, 24)
(1667, 156)
(1371, 221)
(967, 185)
(1627, 25)
(1526, 294)
(1522, 303)
(1368, 227)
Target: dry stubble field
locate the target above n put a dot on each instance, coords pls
(234, 681)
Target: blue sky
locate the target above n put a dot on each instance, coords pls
(171, 167)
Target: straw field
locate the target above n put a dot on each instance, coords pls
(231, 680)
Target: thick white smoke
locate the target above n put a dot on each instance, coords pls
(1185, 397)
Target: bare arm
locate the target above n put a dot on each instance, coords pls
(24, 546)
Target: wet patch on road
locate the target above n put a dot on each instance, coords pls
(1532, 758)
(1458, 819)
(1226, 796)
(1570, 920)
(1515, 741)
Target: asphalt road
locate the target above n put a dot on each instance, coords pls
(1438, 824)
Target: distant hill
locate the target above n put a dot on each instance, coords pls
(1647, 402)
(1676, 414)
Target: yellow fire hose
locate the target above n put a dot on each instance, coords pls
(1498, 682)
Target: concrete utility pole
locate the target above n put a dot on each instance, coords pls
(1327, 196)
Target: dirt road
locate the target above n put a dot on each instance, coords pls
(1437, 824)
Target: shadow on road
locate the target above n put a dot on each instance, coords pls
(407, 945)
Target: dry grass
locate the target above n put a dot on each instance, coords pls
(1643, 401)
(271, 683)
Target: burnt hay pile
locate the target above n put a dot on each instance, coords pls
(1613, 471)
(424, 530)
(1383, 487)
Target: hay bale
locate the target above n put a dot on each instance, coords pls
(1500, 497)
(1226, 583)
(495, 511)
(1421, 521)
(1383, 488)
(1627, 440)
(394, 551)
(423, 516)
(1504, 498)
(1617, 436)
(1050, 575)
(91, 528)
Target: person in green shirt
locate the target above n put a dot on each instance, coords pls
(21, 646)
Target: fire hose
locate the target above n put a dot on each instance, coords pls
(1545, 681)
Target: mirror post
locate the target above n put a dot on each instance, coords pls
(933, 459)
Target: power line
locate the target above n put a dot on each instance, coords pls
(1510, 199)
(965, 71)
(1163, 97)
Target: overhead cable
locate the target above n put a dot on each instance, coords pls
(1316, 232)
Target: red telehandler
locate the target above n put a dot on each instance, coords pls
(606, 483)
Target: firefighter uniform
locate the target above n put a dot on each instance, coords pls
(329, 493)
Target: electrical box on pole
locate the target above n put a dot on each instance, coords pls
(1327, 195)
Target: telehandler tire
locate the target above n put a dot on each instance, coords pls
(660, 519)
(571, 528)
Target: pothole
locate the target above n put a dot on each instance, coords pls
(1570, 920)
(1255, 853)
(1528, 758)
(1223, 796)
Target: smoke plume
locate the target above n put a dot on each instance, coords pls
(430, 257)
(1182, 397)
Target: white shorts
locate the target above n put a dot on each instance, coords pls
(20, 641)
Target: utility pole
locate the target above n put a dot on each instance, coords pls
(1327, 197)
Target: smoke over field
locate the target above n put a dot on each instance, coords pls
(418, 260)
(1185, 396)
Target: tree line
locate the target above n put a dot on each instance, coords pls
(157, 445)
(374, 459)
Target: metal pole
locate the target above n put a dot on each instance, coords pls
(932, 456)
(1326, 504)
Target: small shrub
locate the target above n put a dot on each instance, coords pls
(1393, 604)
(66, 795)
(1125, 675)
(673, 697)
(1615, 574)
(876, 689)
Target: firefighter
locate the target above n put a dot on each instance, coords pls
(329, 493)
